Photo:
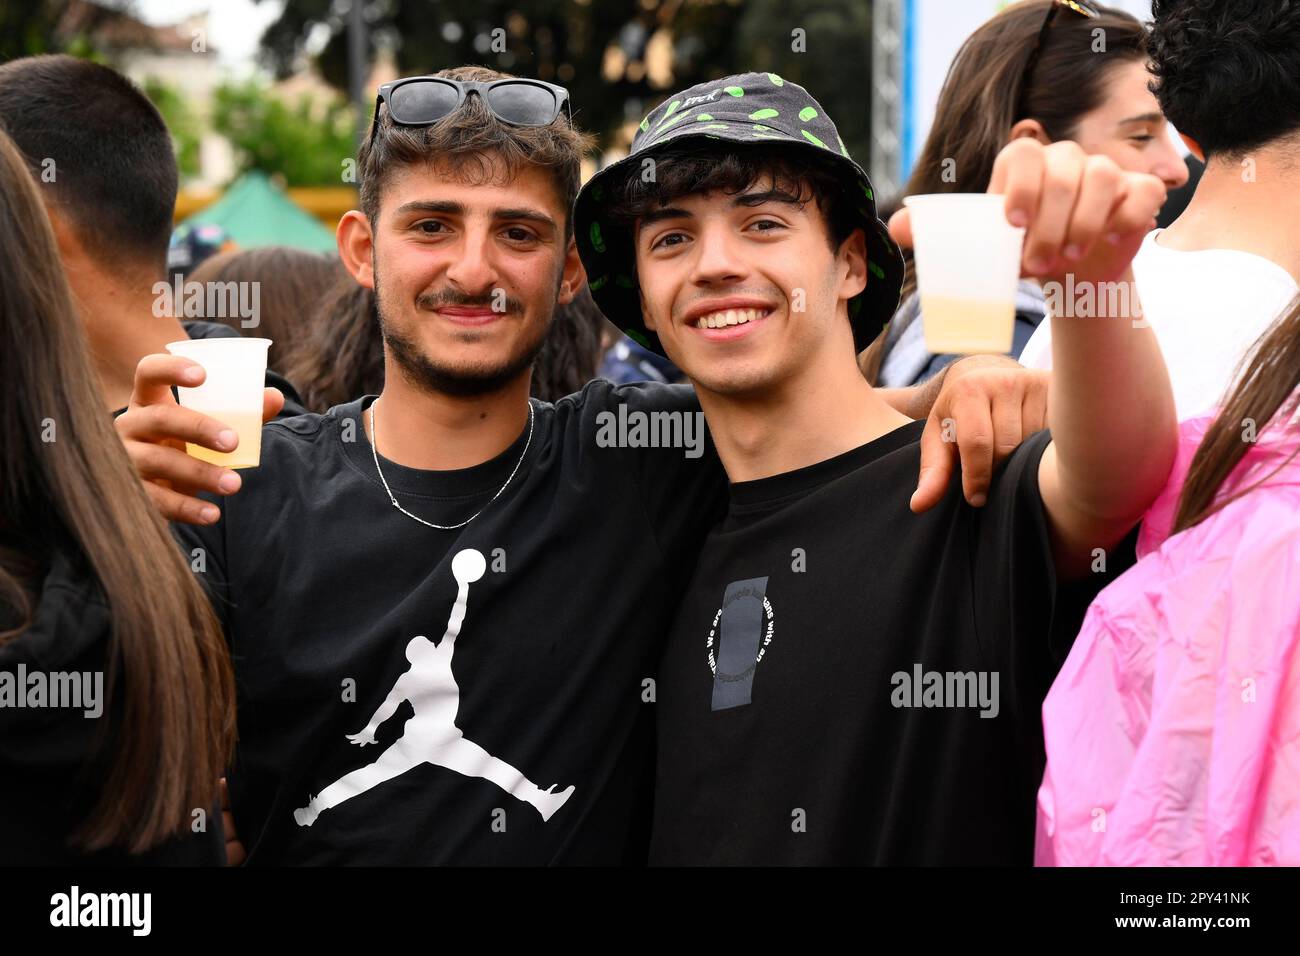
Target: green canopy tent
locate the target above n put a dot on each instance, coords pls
(253, 212)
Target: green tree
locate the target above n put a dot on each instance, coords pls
(305, 144)
(825, 47)
(563, 41)
(181, 123)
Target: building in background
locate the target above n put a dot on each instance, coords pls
(176, 64)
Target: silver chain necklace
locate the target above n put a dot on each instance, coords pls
(374, 448)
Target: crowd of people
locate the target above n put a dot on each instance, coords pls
(863, 604)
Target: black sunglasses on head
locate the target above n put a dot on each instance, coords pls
(1079, 7)
(424, 100)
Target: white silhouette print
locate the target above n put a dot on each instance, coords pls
(431, 736)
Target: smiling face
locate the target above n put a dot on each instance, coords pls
(466, 273)
(1129, 127)
(744, 289)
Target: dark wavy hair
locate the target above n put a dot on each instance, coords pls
(1227, 72)
(571, 351)
(341, 356)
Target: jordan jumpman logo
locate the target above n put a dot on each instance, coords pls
(431, 736)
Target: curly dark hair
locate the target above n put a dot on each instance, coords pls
(570, 354)
(342, 355)
(1227, 72)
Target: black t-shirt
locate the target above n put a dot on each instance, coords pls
(824, 605)
(339, 614)
(55, 761)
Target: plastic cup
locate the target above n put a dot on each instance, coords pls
(231, 393)
(967, 259)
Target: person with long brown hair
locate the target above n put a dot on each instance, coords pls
(1227, 74)
(570, 354)
(291, 284)
(1044, 69)
(1193, 655)
(341, 354)
(95, 597)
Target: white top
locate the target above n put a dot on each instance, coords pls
(1206, 308)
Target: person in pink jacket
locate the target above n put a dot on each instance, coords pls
(1173, 730)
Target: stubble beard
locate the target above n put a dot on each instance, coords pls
(429, 375)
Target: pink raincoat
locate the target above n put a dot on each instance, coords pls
(1173, 730)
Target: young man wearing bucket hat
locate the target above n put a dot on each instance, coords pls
(846, 681)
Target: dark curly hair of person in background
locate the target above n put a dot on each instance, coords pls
(1227, 72)
(570, 354)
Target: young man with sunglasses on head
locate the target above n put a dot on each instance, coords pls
(847, 682)
(445, 603)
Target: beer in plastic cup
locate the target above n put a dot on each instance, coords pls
(967, 260)
(231, 393)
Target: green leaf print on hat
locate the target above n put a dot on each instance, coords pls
(670, 123)
(672, 108)
(807, 113)
(595, 285)
(763, 114)
(704, 118)
(645, 125)
(597, 240)
(813, 139)
(875, 270)
(776, 80)
(735, 91)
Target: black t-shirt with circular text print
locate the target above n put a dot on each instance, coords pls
(409, 695)
(851, 683)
